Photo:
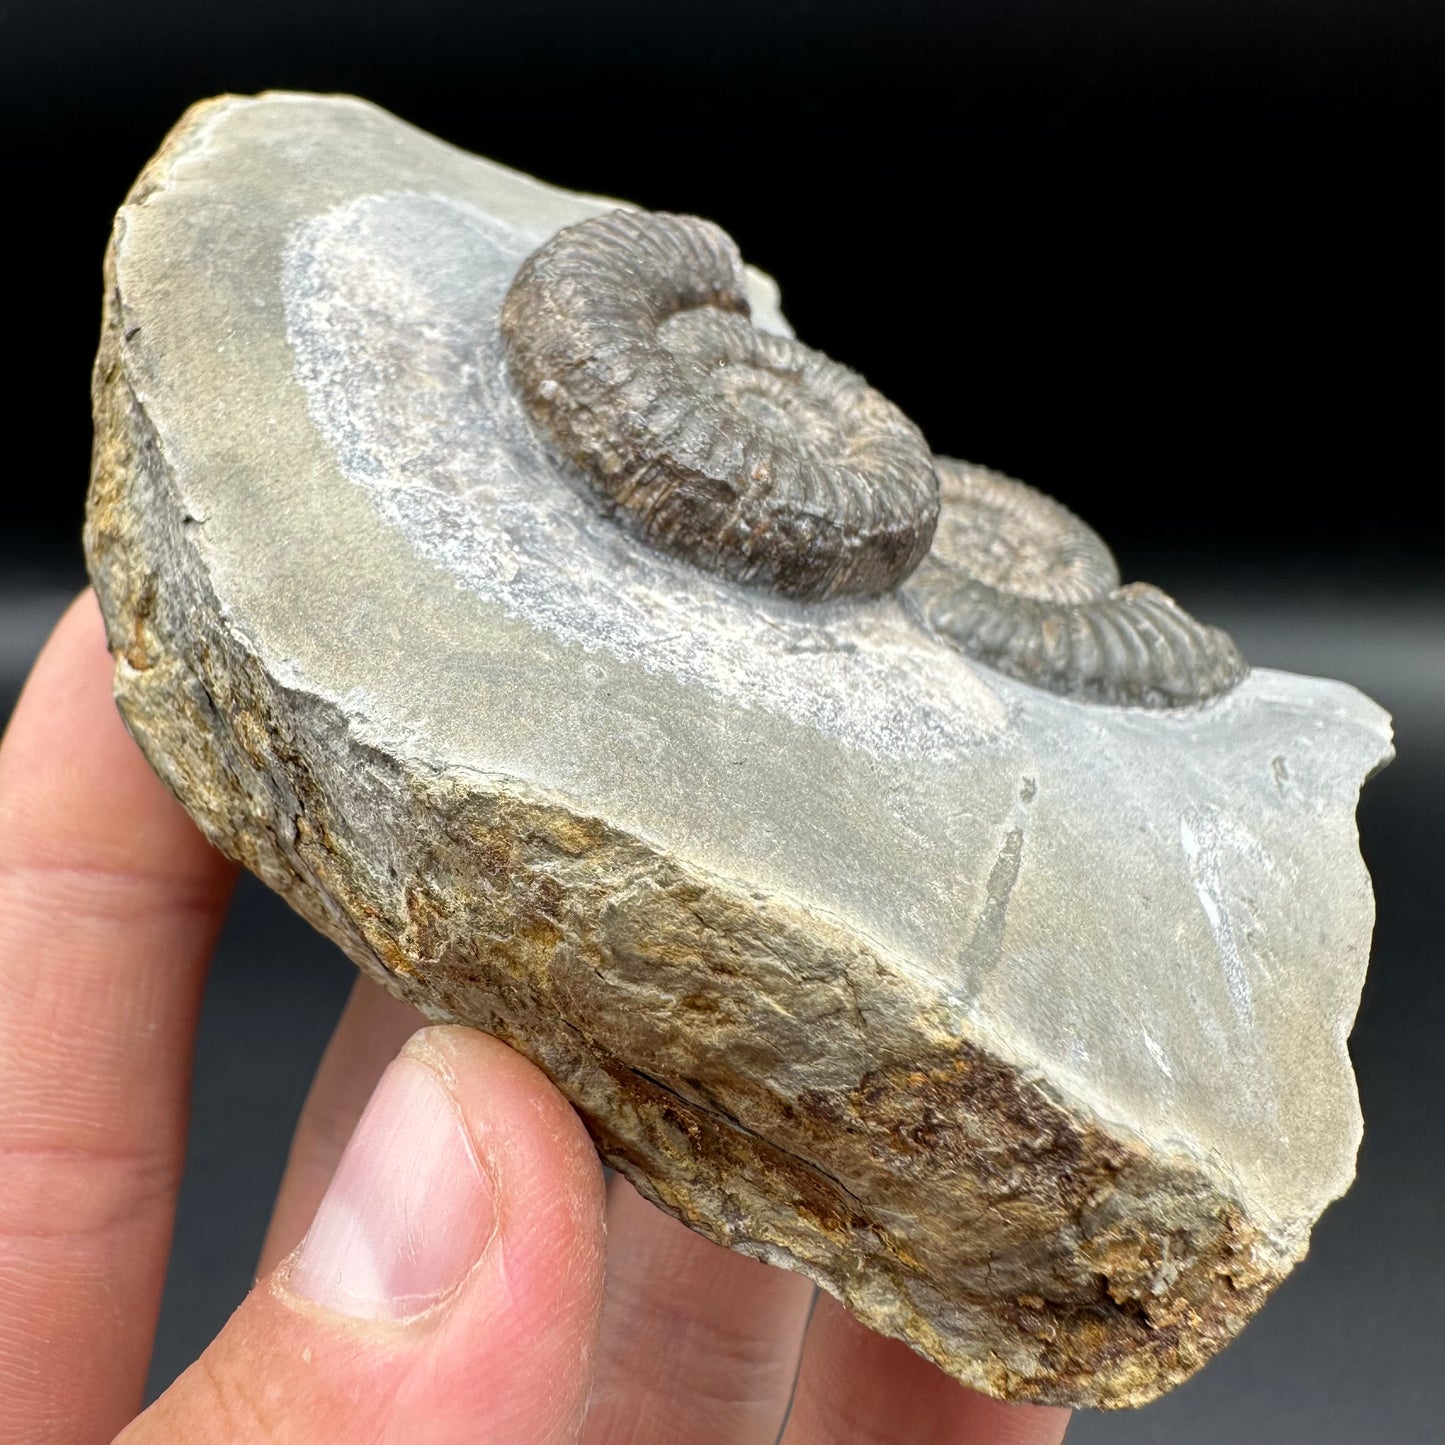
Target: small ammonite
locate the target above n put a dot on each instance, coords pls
(1020, 583)
(629, 341)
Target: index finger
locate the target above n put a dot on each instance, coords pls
(110, 901)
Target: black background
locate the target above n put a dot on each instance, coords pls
(1169, 260)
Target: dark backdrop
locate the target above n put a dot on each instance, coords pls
(1169, 261)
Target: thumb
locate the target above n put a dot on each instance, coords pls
(449, 1286)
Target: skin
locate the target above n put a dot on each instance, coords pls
(555, 1309)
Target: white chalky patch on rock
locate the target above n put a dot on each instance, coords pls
(391, 308)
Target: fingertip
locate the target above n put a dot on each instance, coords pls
(450, 1284)
(534, 1305)
(370, 1033)
(550, 1187)
(509, 1097)
(75, 663)
(75, 790)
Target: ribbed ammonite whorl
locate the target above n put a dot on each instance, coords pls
(749, 454)
(1019, 582)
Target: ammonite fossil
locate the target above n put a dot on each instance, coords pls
(629, 340)
(1020, 583)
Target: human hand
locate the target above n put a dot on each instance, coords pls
(462, 1276)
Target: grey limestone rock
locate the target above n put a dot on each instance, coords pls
(1017, 1022)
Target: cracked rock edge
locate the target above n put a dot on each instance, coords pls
(765, 1077)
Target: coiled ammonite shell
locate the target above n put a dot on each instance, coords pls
(746, 453)
(1020, 583)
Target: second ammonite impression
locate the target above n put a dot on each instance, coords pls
(630, 342)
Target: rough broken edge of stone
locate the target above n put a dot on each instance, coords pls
(1089, 1269)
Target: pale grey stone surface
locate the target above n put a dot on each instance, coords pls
(955, 994)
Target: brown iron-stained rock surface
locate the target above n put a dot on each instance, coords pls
(1016, 1022)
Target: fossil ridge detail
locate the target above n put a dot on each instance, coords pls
(1017, 581)
(856, 955)
(745, 452)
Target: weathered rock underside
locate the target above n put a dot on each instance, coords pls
(1016, 1023)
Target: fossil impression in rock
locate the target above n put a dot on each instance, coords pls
(1018, 582)
(490, 571)
(746, 452)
